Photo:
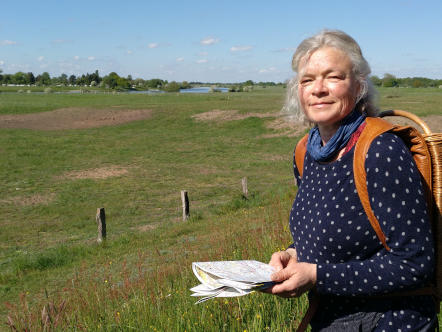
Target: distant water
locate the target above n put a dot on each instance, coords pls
(202, 89)
(144, 91)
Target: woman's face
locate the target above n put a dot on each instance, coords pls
(327, 88)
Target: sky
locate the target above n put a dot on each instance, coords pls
(212, 41)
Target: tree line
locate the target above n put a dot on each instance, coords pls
(389, 80)
(111, 81)
(115, 81)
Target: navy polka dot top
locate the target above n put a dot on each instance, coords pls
(329, 228)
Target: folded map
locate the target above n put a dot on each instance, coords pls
(230, 278)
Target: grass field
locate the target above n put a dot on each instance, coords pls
(53, 274)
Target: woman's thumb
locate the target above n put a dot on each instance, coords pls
(279, 276)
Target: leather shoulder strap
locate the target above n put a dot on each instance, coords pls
(300, 151)
(373, 128)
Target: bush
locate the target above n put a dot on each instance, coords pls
(172, 87)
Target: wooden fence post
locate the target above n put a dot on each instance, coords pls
(101, 223)
(186, 208)
(245, 191)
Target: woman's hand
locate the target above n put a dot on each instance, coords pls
(293, 278)
(280, 259)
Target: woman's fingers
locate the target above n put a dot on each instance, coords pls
(279, 260)
(282, 275)
(295, 279)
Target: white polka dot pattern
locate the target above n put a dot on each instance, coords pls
(329, 226)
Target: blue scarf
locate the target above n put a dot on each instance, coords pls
(339, 140)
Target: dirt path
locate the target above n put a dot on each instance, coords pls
(73, 118)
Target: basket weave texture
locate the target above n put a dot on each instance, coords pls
(434, 143)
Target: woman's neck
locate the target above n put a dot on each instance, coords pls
(327, 132)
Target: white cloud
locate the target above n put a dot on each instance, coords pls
(285, 49)
(209, 41)
(8, 42)
(241, 48)
(2, 62)
(179, 59)
(91, 58)
(268, 70)
(41, 58)
(76, 57)
(201, 61)
(203, 53)
(153, 45)
(129, 52)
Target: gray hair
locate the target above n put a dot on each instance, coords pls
(366, 101)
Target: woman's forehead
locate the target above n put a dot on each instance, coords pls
(325, 58)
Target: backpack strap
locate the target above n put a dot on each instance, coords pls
(414, 142)
(300, 151)
(373, 129)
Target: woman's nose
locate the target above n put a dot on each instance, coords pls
(319, 87)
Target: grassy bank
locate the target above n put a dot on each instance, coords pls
(52, 272)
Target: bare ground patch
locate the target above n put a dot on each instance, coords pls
(280, 123)
(36, 199)
(73, 118)
(148, 227)
(228, 115)
(96, 173)
(284, 126)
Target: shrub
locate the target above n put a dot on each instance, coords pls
(172, 87)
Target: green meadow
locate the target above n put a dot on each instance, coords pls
(53, 273)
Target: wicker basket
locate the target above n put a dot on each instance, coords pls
(434, 143)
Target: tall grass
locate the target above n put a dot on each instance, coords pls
(156, 297)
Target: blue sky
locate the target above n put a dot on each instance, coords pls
(212, 41)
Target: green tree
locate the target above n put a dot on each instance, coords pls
(7, 79)
(95, 77)
(172, 87)
(111, 80)
(114, 81)
(19, 78)
(376, 80)
(30, 78)
(389, 81)
(185, 85)
(63, 79)
(43, 79)
(139, 82)
(155, 83)
(123, 83)
(72, 80)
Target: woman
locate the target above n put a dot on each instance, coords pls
(335, 252)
